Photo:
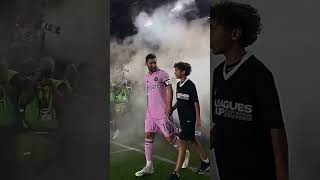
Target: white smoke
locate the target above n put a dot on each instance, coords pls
(167, 34)
(181, 6)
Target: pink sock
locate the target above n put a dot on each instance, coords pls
(148, 149)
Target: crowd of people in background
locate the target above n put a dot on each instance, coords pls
(121, 93)
(32, 105)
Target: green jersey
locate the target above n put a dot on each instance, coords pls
(8, 110)
(123, 96)
(40, 113)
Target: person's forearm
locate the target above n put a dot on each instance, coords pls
(280, 149)
(197, 107)
(169, 96)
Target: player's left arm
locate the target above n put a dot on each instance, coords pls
(269, 106)
(169, 97)
(169, 93)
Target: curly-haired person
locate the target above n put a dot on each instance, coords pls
(248, 136)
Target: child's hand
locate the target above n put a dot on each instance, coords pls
(198, 123)
(168, 111)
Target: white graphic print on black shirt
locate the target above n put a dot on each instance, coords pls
(234, 110)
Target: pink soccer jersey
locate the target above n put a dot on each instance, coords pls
(155, 84)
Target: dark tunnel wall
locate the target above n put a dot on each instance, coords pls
(6, 25)
(289, 46)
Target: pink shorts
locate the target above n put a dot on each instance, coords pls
(163, 126)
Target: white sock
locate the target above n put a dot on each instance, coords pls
(149, 164)
(206, 161)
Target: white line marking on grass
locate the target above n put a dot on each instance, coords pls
(119, 151)
(127, 147)
(155, 156)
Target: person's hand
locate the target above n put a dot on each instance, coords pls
(198, 123)
(171, 111)
(168, 111)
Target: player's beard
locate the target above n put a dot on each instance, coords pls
(153, 69)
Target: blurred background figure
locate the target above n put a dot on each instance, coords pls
(121, 92)
(38, 142)
(8, 115)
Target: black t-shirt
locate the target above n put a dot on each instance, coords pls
(231, 66)
(246, 106)
(186, 97)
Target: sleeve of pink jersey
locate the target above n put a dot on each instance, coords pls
(165, 78)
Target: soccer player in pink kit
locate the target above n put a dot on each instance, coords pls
(159, 103)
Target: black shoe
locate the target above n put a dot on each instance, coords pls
(174, 176)
(203, 168)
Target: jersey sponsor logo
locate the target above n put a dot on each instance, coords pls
(150, 88)
(44, 97)
(183, 96)
(234, 110)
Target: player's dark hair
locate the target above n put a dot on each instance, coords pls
(150, 56)
(233, 15)
(183, 67)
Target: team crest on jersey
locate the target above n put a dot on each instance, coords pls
(156, 79)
